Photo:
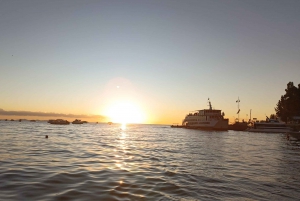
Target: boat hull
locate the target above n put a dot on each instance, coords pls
(207, 128)
(238, 126)
(262, 130)
(269, 126)
(58, 122)
(221, 125)
(67, 123)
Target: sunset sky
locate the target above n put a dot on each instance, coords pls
(157, 60)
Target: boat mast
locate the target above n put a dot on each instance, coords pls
(209, 104)
(238, 112)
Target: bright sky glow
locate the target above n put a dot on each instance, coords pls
(151, 61)
(125, 112)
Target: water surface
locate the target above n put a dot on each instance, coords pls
(144, 162)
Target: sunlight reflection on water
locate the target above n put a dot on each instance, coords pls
(123, 126)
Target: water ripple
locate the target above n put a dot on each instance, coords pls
(144, 162)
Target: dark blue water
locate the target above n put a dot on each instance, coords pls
(144, 162)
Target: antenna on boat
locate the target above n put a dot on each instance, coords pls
(209, 104)
(250, 115)
(238, 112)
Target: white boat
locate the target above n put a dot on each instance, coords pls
(209, 119)
(269, 126)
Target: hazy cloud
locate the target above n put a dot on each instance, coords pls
(48, 114)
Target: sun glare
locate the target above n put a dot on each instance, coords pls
(125, 112)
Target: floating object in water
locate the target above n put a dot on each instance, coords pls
(59, 121)
(269, 126)
(293, 134)
(46, 136)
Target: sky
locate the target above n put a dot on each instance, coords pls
(157, 60)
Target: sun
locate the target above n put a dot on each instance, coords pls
(125, 112)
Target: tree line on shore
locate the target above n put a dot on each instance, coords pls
(288, 107)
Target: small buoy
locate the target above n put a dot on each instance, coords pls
(46, 136)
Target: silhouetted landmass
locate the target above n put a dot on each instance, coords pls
(48, 114)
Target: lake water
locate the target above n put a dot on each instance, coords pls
(144, 162)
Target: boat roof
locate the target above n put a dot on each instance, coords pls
(208, 110)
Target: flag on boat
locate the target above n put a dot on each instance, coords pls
(238, 111)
